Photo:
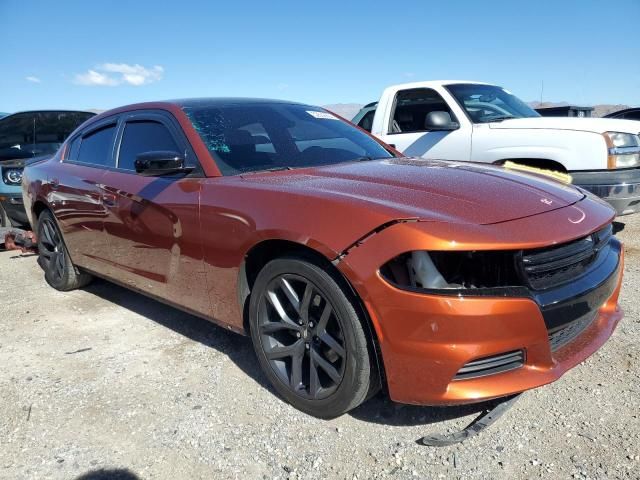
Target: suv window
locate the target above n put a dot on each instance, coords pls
(95, 148)
(144, 136)
(412, 106)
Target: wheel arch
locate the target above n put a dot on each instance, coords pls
(263, 252)
(544, 163)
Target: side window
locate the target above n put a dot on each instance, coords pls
(95, 148)
(144, 136)
(366, 122)
(74, 148)
(412, 107)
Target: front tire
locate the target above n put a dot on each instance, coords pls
(53, 257)
(309, 340)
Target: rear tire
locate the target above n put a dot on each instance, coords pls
(309, 340)
(54, 259)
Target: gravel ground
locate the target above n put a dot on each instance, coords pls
(104, 383)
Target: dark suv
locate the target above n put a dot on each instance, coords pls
(25, 136)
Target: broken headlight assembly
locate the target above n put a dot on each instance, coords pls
(453, 272)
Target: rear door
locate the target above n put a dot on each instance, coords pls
(152, 223)
(406, 127)
(76, 194)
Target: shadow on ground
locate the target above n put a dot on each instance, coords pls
(238, 349)
(109, 474)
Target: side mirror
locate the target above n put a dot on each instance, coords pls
(441, 121)
(157, 163)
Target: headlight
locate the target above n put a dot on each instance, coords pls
(13, 176)
(623, 150)
(447, 271)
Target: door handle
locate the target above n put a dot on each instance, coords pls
(109, 199)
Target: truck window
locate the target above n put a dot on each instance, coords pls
(366, 122)
(412, 106)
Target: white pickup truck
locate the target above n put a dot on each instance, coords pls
(461, 120)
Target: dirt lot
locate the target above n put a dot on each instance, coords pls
(104, 383)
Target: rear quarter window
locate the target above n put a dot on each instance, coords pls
(73, 149)
(96, 147)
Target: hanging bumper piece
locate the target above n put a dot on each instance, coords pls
(482, 421)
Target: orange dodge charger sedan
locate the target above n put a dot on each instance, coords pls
(351, 267)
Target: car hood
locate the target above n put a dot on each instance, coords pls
(23, 162)
(595, 125)
(427, 189)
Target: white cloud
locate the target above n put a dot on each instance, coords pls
(112, 74)
(94, 78)
(32, 79)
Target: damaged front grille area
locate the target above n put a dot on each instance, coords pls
(497, 273)
(491, 365)
(548, 267)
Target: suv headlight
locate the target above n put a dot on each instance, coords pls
(12, 176)
(623, 150)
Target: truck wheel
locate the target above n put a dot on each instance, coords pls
(309, 340)
(54, 258)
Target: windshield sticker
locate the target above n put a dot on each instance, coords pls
(325, 115)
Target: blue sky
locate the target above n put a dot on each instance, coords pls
(99, 54)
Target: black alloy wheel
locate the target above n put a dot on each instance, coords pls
(301, 336)
(53, 256)
(51, 249)
(308, 337)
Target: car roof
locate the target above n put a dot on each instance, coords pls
(225, 101)
(622, 112)
(211, 102)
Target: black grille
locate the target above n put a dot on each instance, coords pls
(551, 266)
(491, 365)
(559, 337)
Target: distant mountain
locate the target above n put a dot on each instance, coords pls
(346, 110)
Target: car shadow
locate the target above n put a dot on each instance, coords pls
(109, 474)
(236, 347)
(379, 409)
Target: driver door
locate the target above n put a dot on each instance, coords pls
(406, 129)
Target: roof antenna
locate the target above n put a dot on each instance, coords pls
(541, 90)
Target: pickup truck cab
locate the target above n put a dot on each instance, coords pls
(472, 121)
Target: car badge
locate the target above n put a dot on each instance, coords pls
(546, 201)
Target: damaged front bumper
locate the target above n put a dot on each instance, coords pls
(427, 340)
